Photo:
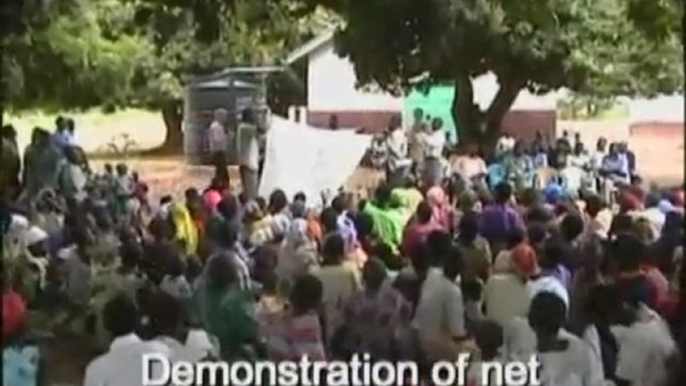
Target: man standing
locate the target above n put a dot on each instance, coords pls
(398, 163)
(218, 138)
(249, 153)
(433, 161)
(62, 137)
(415, 140)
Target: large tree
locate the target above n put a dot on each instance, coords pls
(204, 36)
(589, 46)
(117, 53)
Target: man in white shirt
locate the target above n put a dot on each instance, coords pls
(646, 348)
(472, 167)
(249, 153)
(398, 163)
(415, 136)
(565, 359)
(439, 317)
(434, 143)
(218, 139)
(123, 364)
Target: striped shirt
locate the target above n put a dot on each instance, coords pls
(292, 337)
(242, 261)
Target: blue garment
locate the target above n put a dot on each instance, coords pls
(62, 139)
(20, 365)
(540, 160)
(496, 174)
(553, 192)
(616, 164)
(347, 228)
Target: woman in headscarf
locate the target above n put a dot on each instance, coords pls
(226, 311)
(297, 255)
(186, 232)
(442, 211)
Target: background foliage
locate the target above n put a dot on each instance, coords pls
(65, 54)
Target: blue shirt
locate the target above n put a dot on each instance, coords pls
(616, 164)
(62, 139)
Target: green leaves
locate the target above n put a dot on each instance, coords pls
(586, 45)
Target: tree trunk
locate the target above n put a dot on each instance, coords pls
(477, 127)
(173, 115)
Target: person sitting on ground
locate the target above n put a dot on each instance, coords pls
(341, 279)
(439, 318)
(564, 357)
(377, 318)
(169, 323)
(226, 311)
(498, 220)
(123, 364)
(475, 249)
(418, 228)
(298, 331)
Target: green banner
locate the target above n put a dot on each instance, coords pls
(435, 103)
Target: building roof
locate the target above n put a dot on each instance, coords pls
(309, 47)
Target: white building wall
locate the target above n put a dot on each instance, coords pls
(662, 109)
(331, 87)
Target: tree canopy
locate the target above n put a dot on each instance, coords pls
(588, 46)
(116, 53)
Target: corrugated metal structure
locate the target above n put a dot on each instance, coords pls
(234, 90)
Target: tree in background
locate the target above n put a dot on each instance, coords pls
(118, 53)
(588, 46)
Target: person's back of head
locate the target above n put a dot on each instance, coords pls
(594, 204)
(468, 228)
(222, 272)
(571, 227)
(60, 123)
(328, 219)
(131, 254)
(515, 236)
(439, 244)
(547, 314)
(488, 336)
(552, 254)
(419, 257)
(228, 207)
(306, 294)
(503, 193)
(622, 223)
(277, 201)
(120, 315)
(536, 233)
(383, 194)
(301, 197)
(374, 274)
(333, 249)
(627, 251)
(424, 212)
(453, 263)
(472, 290)
(166, 314)
(340, 203)
(248, 116)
